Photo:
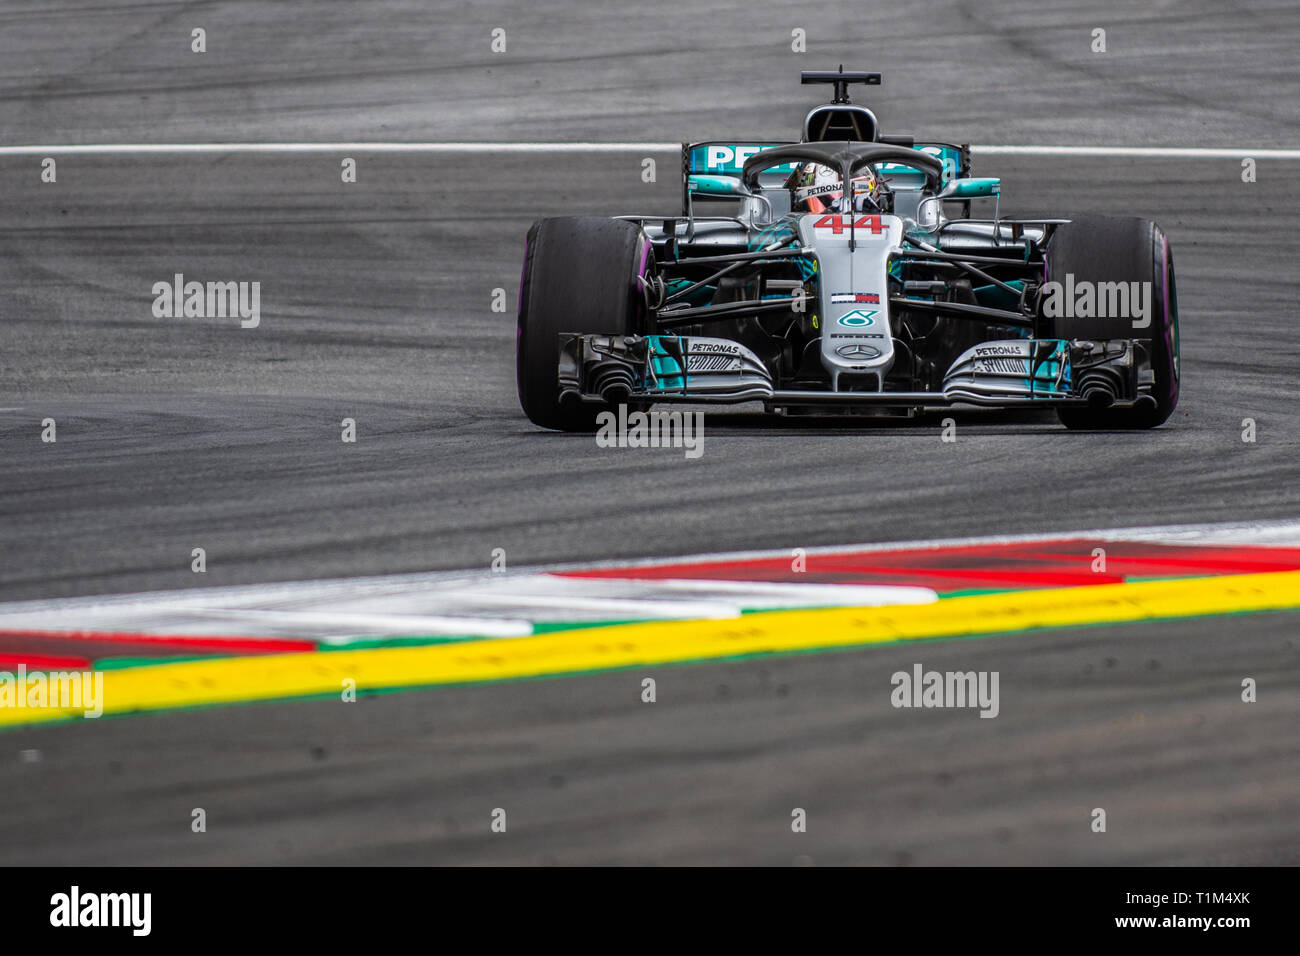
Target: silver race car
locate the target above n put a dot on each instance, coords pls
(885, 297)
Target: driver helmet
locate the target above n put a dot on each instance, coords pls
(817, 188)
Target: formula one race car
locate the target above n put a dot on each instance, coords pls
(885, 296)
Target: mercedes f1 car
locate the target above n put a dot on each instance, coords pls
(884, 297)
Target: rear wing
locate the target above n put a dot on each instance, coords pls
(721, 158)
(955, 159)
(726, 158)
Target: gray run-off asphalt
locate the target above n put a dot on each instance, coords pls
(376, 305)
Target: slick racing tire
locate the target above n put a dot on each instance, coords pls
(1110, 249)
(580, 275)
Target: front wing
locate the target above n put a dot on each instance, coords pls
(703, 369)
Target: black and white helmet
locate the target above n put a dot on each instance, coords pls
(817, 188)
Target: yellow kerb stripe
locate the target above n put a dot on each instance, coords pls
(225, 680)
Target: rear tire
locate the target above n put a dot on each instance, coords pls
(580, 275)
(1110, 249)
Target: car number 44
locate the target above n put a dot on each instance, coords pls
(840, 224)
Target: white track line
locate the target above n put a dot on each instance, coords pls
(344, 148)
(1148, 152)
(363, 624)
(1164, 152)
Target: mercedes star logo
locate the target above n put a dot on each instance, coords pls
(858, 350)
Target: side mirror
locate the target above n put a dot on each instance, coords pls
(971, 189)
(725, 187)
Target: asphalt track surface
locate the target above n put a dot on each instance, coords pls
(376, 305)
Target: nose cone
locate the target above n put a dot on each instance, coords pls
(855, 332)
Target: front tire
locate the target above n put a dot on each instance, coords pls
(1110, 249)
(580, 275)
